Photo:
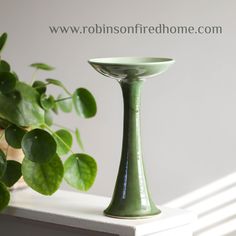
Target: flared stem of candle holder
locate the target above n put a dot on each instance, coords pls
(131, 197)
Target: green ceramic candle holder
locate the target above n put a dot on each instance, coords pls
(131, 198)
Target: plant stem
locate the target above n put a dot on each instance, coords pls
(52, 132)
(63, 87)
(67, 91)
(63, 127)
(62, 99)
(72, 131)
(7, 150)
(33, 76)
(2, 134)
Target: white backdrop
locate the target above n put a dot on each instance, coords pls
(188, 113)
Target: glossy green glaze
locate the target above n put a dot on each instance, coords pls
(131, 197)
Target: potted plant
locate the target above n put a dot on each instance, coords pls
(26, 123)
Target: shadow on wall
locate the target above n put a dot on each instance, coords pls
(215, 205)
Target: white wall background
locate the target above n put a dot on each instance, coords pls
(188, 114)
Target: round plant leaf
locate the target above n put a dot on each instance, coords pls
(3, 40)
(16, 76)
(48, 117)
(44, 178)
(84, 102)
(42, 66)
(4, 196)
(14, 97)
(7, 82)
(14, 135)
(80, 171)
(3, 163)
(4, 66)
(64, 141)
(78, 139)
(47, 102)
(12, 173)
(38, 146)
(65, 105)
(40, 86)
(21, 107)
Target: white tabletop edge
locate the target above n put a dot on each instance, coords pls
(85, 211)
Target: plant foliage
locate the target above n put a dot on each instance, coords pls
(26, 122)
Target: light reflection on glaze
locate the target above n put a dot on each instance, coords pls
(121, 72)
(131, 197)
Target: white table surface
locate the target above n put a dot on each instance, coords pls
(85, 211)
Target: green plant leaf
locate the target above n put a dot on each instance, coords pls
(55, 82)
(14, 135)
(55, 108)
(48, 117)
(12, 173)
(4, 66)
(4, 196)
(58, 83)
(21, 106)
(4, 123)
(84, 103)
(39, 146)
(78, 139)
(64, 141)
(47, 102)
(44, 178)
(42, 66)
(40, 86)
(3, 163)
(65, 105)
(16, 76)
(14, 96)
(80, 171)
(3, 40)
(7, 82)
